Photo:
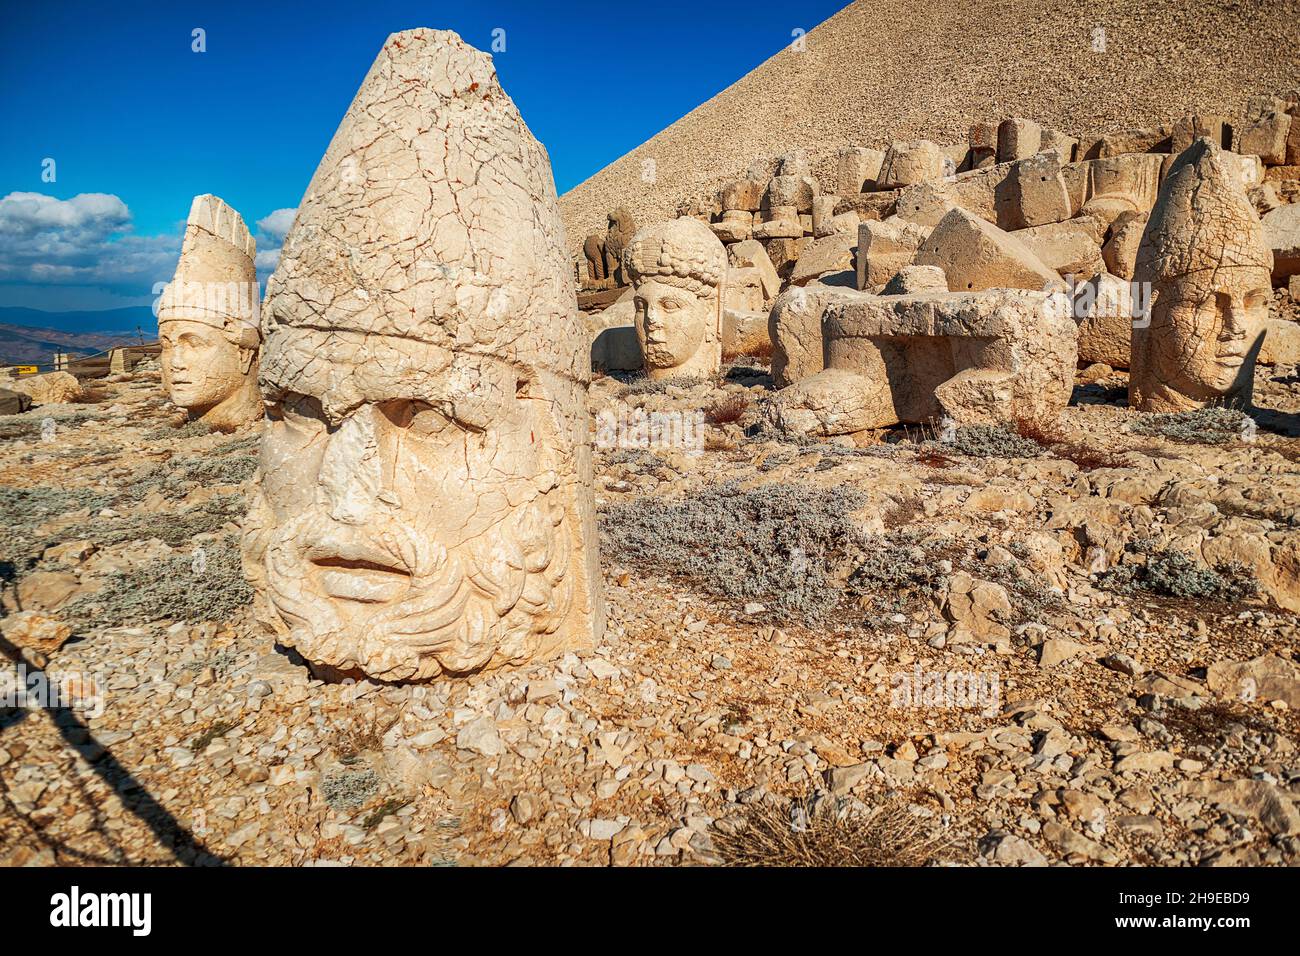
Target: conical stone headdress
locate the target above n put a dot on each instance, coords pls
(216, 277)
(1201, 222)
(429, 237)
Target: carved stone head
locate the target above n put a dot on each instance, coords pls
(424, 504)
(1204, 255)
(208, 319)
(677, 269)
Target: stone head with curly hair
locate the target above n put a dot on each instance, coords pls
(677, 270)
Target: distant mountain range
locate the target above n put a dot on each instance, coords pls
(31, 336)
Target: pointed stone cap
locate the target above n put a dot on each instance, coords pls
(1202, 222)
(216, 277)
(431, 225)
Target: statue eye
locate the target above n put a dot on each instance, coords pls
(419, 418)
(1257, 299)
(301, 411)
(671, 305)
(426, 420)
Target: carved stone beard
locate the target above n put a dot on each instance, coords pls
(493, 601)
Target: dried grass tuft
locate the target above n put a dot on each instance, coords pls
(810, 832)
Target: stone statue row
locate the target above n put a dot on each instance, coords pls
(424, 499)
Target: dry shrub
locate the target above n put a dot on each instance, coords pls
(730, 409)
(1047, 433)
(809, 832)
(932, 459)
(902, 513)
(91, 395)
(761, 352)
(1041, 431)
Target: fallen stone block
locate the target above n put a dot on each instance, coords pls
(1152, 139)
(831, 254)
(857, 169)
(795, 331)
(1018, 138)
(1070, 248)
(980, 357)
(796, 191)
(1189, 128)
(51, 388)
(744, 332)
(736, 225)
(1040, 191)
(908, 162)
(1281, 345)
(743, 195)
(1121, 248)
(1282, 236)
(751, 254)
(1103, 308)
(884, 248)
(1265, 137)
(975, 254)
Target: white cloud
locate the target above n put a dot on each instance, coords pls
(85, 240)
(276, 226)
(271, 231)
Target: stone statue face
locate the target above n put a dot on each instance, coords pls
(677, 269)
(208, 319)
(1211, 330)
(201, 367)
(402, 531)
(671, 323)
(424, 499)
(1204, 255)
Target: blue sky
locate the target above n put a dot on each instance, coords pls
(137, 123)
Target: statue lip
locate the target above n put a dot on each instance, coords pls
(361, 581)
(358, 571)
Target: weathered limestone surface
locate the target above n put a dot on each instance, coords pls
(975, 254)
(49, 388)
(1205, 258)
(795, 329)
(1282, 236)
(425, 505)
(678, 270)
(885, 247)
(833, 253)
(1018, 138)
(979, 357)
(1104, 310)
(1121, 248)
(751, 255)
(858, 168)
(912, 161)
(208, 319)
(1070, 248)
(13, 402)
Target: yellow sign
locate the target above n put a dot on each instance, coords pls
(26, 369)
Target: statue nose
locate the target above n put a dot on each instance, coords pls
(1235, 318)
(350, 478)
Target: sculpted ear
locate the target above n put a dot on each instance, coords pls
(246, 356)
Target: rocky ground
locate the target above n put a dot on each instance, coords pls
(1010, 646)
